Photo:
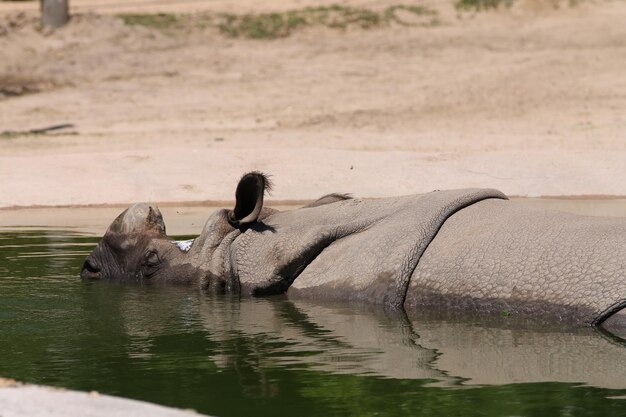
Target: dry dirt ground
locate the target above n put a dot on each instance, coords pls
(530, 100)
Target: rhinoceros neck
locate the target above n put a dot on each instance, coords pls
(210, 253)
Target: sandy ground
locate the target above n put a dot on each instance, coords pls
(530, 100)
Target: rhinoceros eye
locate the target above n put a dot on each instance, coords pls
(152, 258)
(151, 263)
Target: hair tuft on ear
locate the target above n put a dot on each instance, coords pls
(268, 184)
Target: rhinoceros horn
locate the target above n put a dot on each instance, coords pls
(139, 218)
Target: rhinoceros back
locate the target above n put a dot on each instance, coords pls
(499, 256)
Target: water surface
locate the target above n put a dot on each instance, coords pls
(275, 356)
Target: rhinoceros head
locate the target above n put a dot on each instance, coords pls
(136, 247)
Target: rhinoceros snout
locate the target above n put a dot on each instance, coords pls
(90, 271)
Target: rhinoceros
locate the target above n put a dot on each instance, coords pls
(472, 250)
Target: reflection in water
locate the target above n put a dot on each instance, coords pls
(269, 356)
(484, 355)
(357, 339)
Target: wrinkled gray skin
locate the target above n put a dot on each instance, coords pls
(461, 249)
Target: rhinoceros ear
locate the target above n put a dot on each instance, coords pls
(139, 218)
(249, 198)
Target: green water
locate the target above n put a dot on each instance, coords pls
(230, 357)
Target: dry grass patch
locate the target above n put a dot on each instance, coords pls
(280, 25)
